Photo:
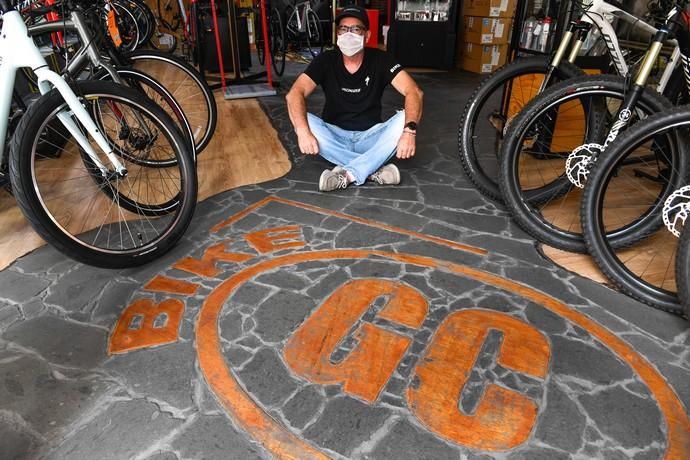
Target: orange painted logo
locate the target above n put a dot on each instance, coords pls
(379, 319)
(207, 266)
(504, 418)
(367, 369)
(145, 324)
(276, 239)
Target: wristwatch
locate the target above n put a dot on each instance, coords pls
(411, 125)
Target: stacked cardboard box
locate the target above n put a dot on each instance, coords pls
(487, 26)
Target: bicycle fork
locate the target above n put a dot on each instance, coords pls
(582, 159)
(19, 50)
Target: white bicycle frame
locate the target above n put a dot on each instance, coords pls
(597, 14)
(301, 16)
(18, 50)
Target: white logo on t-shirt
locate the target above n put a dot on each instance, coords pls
(395, 67)
(366, 80)
(352, 90)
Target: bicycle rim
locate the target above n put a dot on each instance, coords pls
(106, 220)
(187, 87)
(160, 95)
(277, 40)
(622, 212)
(552, 132)
(496, 101)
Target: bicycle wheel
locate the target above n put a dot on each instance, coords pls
(162, 97)
(108, 220)
(495, 102)
(314, 42)
(188, 88)
(277, 40)
(622, 207)
(259, 37)
(128, 27)
(141, 16)
(169, 14)
(575, 114)
(683, 270)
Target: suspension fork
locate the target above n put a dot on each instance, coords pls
(630, 101)
(579, 31)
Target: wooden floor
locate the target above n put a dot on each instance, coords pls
(245, 150)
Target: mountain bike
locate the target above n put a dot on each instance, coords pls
(75, 167)
(636, 187)
(501, 96)
(554, 143)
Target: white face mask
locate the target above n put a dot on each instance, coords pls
(350, 43)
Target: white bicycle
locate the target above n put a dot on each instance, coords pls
(79, 161)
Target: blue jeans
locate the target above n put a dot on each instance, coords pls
(361, 153)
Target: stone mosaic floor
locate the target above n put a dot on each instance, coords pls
(376, 322)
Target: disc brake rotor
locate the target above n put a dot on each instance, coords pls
(580, 162)
(676, 209)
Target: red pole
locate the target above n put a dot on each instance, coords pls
(267, 48)
(218, 45)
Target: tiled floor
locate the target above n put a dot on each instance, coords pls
(399, 322)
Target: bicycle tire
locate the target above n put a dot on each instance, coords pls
(259, 37)
(610, 245)
(481, 165)
(314, 41)
(128, 27)
(113, 240)
(539, 211)
(175, 21)
(149, 87)
(683, 271)
(277, 40)
(141, 16)
(190, 90)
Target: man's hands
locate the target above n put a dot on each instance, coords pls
(308, 144)
(406, 146)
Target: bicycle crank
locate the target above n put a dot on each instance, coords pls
(580, 162)
(676, 209)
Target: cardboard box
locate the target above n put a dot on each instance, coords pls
(487, 31)
(483, 58)
(490, 8)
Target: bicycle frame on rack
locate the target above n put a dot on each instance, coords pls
(300, 12)
(18, 50)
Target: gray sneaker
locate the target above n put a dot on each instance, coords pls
(386, 175)
(331, 180)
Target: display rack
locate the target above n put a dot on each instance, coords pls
(423, 33)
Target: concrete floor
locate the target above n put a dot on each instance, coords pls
(414, 321)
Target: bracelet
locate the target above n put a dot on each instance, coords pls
(409, 131)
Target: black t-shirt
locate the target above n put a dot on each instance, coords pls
(353, 101)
